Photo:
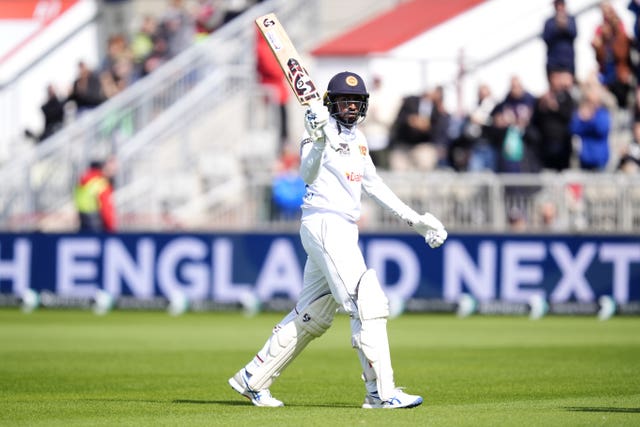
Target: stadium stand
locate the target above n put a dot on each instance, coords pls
(183, 165)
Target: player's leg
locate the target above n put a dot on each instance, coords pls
(311, 317)
(333, 246)
(370, 338)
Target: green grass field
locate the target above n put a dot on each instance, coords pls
(73, 368)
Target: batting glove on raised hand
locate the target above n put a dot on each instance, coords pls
(435, 238)
(432, 229)
(315, 119)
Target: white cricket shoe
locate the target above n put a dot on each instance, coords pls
(239, 382)
(399, 400)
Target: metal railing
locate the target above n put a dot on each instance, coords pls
(488, 202)
(152, 113)
(473, 202)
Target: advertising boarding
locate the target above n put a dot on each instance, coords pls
(224, 268)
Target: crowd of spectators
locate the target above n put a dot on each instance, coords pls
(129, 57)
(568, 126)
(571, 125)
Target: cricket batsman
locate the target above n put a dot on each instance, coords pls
(337, 168)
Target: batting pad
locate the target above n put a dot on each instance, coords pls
(290, 339)
(370, 334)
(372, 302)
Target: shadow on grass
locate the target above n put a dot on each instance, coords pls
(603, 409)
(178, 401)
(245, 403)
(209, 402)
(221, 402)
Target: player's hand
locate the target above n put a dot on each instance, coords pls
(431, 228)
(435, 238)
(315, 119)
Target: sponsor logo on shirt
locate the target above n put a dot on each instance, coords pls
(353, 176)
(363, 150)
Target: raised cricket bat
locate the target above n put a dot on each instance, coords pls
(289, 59)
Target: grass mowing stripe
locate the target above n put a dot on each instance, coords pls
(147, 368)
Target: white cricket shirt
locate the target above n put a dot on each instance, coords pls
(346, 170)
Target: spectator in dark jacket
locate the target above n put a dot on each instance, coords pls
(559, 34)
(509, 130)
(419, 132)
(86, 92)
(549, 128)
(518, 104)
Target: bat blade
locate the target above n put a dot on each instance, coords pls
(289, 59)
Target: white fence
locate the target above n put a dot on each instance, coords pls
(548, 202)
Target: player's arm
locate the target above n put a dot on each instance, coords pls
(314, 142)
(426, 225)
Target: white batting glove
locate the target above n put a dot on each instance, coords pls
(431, 228)
(315, 119)
(435, 238)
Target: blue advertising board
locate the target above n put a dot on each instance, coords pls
(224, 267)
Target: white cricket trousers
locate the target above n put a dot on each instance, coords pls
(334, 263)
